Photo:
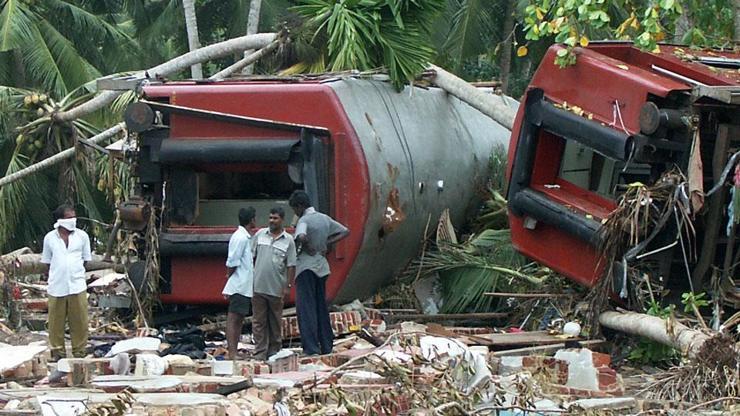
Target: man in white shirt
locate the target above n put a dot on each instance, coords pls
(240, 275)
(66, 249)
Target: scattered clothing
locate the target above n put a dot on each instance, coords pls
(189, 342)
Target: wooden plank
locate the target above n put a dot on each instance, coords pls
(437, 329)
(522, 339)
(420, 317)
(528, 295)
(548, 349)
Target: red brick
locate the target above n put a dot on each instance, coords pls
(607, 378)
(180, 369)
(37, 304)
(600, 360)
(250, 368)
(556, 369)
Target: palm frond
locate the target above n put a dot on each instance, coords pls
(485, 263)
(41, 65)
(6, 70)
(19, 219)
(365, 35)
(16, 25)
(74, 69)
(86, 22)
(473, 28)
(405, 53)
(161, 27)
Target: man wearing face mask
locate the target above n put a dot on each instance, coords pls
(66, 250)
(274, 274)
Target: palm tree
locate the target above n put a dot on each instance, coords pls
(191, 25)
(366, 35)
(736, 20)
(49, 51)
(253, 21)
(59, 45)
(468, 29)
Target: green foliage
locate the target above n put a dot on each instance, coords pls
(573, 22)
(651, 352)
(28, 136)
(693, 302)
(711, 23)
(58, 44)
(368, 34)
(485, 263)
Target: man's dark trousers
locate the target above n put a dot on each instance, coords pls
(313, 314)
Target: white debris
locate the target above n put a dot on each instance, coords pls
(140, 344)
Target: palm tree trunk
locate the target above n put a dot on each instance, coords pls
(492, 105)
(657, 329)
(505, 57)
(246, 62)
(683, 24)
(191, 25)
(736, 20)
(253, 22)
(207, 53)
(59, 157)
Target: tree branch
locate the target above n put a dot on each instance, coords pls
(217, 50)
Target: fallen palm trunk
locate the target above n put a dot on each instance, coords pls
(243, 63)
(492, 105)
(207, 53)
(63, 155)
(671, 333)
(29, 263)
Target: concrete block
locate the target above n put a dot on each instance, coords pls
(612, 403)
(250, 368)
(284, 363)
(361, 377)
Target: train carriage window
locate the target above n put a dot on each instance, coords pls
(587, 169)
(592, 171)
(223, 193)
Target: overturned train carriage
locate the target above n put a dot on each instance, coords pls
(379, 161)
(616, 117)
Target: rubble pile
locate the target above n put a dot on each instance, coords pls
(377, 367)
(381, 363)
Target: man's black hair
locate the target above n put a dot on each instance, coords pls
(279, 211)
(246, 215)
(59, 212)
(299, 199)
